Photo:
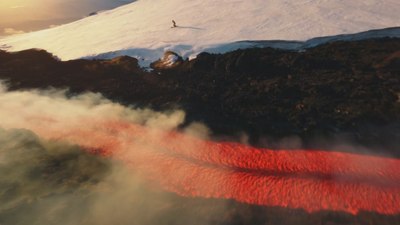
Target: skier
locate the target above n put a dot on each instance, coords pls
(173, 24)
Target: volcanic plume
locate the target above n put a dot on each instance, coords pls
(148, 142)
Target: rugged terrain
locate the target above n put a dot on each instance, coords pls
(339, 90)
(142, 29)
(277, 74)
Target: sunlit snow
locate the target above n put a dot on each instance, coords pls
(143, 30)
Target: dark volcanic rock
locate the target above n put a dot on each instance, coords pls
(169, 60)
(350, 89)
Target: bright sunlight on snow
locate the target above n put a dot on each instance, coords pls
(143, 30)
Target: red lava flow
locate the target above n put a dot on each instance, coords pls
(303, 179)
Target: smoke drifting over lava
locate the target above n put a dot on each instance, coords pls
(51, 180)
(47, 170)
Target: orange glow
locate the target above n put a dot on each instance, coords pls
(29, 15)
(309, 180)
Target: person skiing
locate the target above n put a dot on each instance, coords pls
(173, 24)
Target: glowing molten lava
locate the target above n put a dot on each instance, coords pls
(310, 180)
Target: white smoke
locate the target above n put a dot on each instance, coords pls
(45, 178)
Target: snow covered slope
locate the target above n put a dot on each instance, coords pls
(143, 28)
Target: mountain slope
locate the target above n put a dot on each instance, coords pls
(347, 90)
(143, 28)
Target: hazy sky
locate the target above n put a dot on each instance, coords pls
(28, 15)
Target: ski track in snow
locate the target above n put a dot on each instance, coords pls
(142, 29)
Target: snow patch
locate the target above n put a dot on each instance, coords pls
(142, 29)
(171, 60)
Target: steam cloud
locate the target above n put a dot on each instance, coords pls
(45, 178)
(50, 182)
(51, 177)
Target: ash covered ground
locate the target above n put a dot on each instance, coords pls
(341, 93)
